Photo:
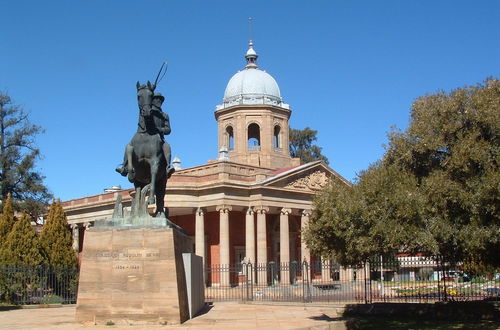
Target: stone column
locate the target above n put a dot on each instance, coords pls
(325, 270)
(285, 245)
(304, 251)
(200, 234)
(250, 236)
(76, 237)
(224, 243)
(261, 245)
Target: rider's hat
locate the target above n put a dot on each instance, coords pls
(159, 96)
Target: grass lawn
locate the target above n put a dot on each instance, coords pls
(388, 322)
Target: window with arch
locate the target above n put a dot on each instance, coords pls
(229, 138)
(253, 137)
(277, 139)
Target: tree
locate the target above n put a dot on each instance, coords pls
(20, 256)
(56, 238)
(301, 145)
(18, 156)
(372, 217)
(6, 220)
(435, 191)
(21, 247)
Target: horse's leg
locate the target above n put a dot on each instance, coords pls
(154, 171)
(167, 153)
(160, 196)
(129, 150)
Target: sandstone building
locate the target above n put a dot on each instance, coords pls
(252, 201)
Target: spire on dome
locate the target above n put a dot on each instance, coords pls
(251, 57)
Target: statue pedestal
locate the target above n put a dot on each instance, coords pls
(133, 276)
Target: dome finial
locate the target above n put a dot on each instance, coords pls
(251, 56)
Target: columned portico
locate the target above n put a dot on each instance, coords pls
(224, 241)
(285, 245)
(261, 244)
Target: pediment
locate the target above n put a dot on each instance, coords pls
(309, 177)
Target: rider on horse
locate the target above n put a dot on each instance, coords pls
(162, 124)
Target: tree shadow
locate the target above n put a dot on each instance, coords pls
(326, 318)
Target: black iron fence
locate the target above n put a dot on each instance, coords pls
(38, 285)
(405, 279)
(402, 279)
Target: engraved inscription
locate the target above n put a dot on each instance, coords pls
(126, 266)
(129, 254)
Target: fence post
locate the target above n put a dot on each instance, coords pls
(438, 262)
(274, 273)
(249, 282)
(368, 290)
(293, 272)
(444, 281)
(305, 282)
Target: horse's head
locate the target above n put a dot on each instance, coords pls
(145, 97)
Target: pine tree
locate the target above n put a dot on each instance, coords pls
(7, 219)
(18, 156)
(20, 258)
(301, 145)
(21, 247)
(56, 238)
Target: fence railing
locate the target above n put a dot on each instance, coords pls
(408, 280)
(38, 285)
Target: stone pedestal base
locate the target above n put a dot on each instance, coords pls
(133, 275)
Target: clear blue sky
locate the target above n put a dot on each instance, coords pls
(349, 69)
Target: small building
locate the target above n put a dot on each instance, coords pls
(250, 203)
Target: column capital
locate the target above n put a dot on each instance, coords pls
(306, 213)
(250, 211)
(200, 211)
(261, 209)
(286, 211)
(224, 208)
(87, 225)
(74, 226)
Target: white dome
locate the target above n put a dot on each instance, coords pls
(252, 84)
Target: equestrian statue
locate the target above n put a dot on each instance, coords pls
(146, 162)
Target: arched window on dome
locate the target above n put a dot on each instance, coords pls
(277, 142)
(229, 138)
(253, 137)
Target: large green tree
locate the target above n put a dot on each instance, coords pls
(18, 156)
(436, 190)
(302, 145)
(56, 238)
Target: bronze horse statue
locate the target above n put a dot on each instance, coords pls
(145, 161)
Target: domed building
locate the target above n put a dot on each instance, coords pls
(250, 203)
(253, 120)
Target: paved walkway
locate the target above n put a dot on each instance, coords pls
(219, 316)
